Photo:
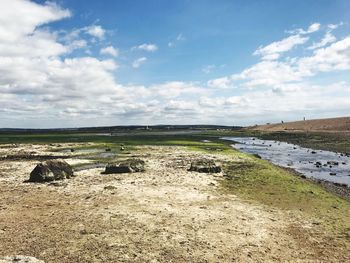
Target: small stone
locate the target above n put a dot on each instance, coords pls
(83, 232)
(110, 187)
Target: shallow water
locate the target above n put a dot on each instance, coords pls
(303, 160)
(93, 152)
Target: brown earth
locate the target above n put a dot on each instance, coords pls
(166, 214)
(319, 125)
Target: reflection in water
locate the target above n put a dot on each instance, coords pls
(325, 165)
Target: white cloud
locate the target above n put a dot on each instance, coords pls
(180, 105)
(179, 38)
(208, 69)
(138, 62)
(147, 47)
(174, 89)
(35, 79)
(335, 57)
(19, 17)
(335, 26)
(76, 44)
(96, 31)
(268, 73)
(221, 83)
(273, 50)
(43, 84)
(311, 29)
(327, 39)
(332, 58)
(110, 50)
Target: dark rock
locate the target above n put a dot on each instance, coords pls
(109, 187)
(313, 152)
(72, 150)
(257, 155)
(126, 166)
(50, 171)
(333, 174)
(318, 164)
(108, 149)
(20, 259)
(205, 166)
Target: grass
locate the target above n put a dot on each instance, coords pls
(137, 139)
(258, 180)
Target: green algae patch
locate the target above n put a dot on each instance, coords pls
(260, 181)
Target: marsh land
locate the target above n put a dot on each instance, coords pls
(251, 211)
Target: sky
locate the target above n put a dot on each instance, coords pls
(75, 63)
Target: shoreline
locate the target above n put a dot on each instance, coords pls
(341, 191)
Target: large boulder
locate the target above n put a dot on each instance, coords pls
(50, 171)
(20, 259)
(205, 166)
(126, 166)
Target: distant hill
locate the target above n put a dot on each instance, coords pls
(341, 124)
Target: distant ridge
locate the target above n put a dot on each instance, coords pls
(341, 124)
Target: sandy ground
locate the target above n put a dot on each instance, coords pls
(165, 214)
(341, 125)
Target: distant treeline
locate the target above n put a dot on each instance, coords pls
(114, 129)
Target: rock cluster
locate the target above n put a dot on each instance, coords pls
(50, 171)
(205, 166)
(126, 166)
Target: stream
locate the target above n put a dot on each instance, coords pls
(317, 164)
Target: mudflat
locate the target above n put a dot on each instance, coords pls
(165, 214)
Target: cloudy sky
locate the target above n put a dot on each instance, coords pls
(70, 63)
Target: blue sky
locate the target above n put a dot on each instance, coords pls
(89, 63)
(223, 33)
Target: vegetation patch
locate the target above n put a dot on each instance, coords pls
(258, 180)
